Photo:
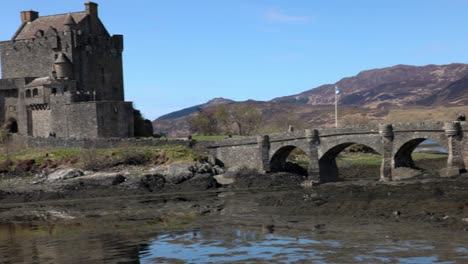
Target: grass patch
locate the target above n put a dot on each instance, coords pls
(359, 159)
(417, 114)
(95, 159)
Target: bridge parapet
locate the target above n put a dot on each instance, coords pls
(395, 142)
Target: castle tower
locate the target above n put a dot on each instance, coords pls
(62, 75)
(69, 23)
(63, 67)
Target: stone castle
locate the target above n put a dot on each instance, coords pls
(62, 77)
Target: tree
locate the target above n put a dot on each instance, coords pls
(142, 127)
(247, 119)
(221, 117)
(204, 123)
(221, 120)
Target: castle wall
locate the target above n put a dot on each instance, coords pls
(101, 68)
(115, 119)
(10, 107)
(80, 120)
(28, 58)
(88, 101)
(41, 123)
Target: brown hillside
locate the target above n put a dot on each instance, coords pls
(370, 96)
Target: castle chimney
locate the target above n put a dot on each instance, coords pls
(29, 16)
(92, 13)
(91, 9)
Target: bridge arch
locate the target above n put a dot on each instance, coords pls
(328, 168)
(373, 141)
(408, 139)
(404, 150)
(279, 160)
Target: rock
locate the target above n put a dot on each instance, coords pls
(175, 173)
(153, 182)
(235, 169)
(221, 179)
(64, 174)
(101, 179)
(178, 172)
(268, 229)
(319, 226)
(203, 181)
(211, 159)
(449, 172)
(403, 173)
(204, 168)
(216, 170)
(307, 184)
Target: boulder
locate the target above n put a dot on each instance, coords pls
(153, 182)
(64, 174)
(203, 181)
(223, 180)
(216, 170)
(101, 179)
(175, 173)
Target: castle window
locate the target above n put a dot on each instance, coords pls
(28, 93)
(35, 92)
(54, 90)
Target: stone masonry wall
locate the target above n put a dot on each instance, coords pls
(41, 123)
(28, 58)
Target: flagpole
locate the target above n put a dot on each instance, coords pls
(336, 107)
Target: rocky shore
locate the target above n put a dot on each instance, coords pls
(438, 202)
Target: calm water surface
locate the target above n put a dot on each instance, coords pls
(239, 234)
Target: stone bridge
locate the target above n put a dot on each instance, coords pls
(395, 143)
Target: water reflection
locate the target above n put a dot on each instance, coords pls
(99, 244)
(246, 247)
(67, 244)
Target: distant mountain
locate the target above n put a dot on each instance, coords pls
(370, 93)
(455, 94)
(193, 109)
(400, 85)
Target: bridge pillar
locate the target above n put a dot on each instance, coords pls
(455, 162)
(312, 138)
(264, 153)
(386, 132)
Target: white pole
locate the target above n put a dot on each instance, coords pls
(336, 108)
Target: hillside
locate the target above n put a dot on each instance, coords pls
(370, 96)
(400, 85)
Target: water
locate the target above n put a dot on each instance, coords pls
(430, 146)
(162, 230)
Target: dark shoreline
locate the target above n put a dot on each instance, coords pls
(436, 202)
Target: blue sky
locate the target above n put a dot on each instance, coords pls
(181, 53)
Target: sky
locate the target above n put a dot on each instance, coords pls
(180, 53)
